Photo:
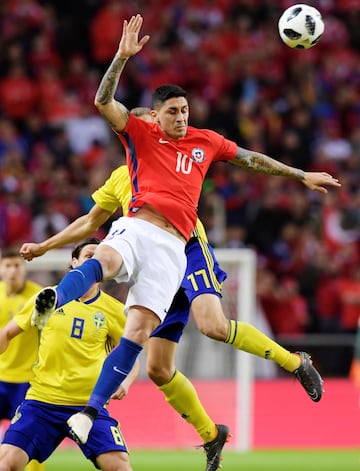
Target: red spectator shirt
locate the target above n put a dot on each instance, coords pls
(168, 174)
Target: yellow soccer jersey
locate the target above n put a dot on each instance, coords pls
(73, 346)
(16, 362)
(116, 192)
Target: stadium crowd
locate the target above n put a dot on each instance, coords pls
(301, 107)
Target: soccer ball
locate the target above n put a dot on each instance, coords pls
(301, 26)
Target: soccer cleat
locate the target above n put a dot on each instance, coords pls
(45, 305)
(80, 425)
(214, 448)
(309, 377)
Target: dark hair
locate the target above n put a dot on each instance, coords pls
(164, 92)
(10, 253)
(78, 248)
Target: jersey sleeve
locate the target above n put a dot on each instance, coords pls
(105, 196)
(23, 317)
(225, 149)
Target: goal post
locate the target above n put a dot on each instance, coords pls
(245, 260)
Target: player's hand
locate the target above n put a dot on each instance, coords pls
(129, 43)
(120, 393)
(30, 250)
(319, 180)
(354, 372)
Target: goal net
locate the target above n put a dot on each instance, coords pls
(198, 356)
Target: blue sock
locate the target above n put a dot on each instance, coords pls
(78, 281)
(115, 369)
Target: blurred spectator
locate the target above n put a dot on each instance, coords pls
(16, 218)
(18, 94)
(349, 294)
(85, 129)
(284, 307)
(105, 29)
(48, 222)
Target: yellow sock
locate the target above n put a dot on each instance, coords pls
(34, 465)
(246, 337)
(182, 396)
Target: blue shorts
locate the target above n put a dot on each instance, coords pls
(38, 428)
(203, 276)
(11, 395)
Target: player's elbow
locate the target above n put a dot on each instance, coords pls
(99, 105)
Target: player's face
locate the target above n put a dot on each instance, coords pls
(12, 272)
(172, 117)
(86, 253)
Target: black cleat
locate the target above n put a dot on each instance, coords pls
(309, 377)
(214, 448)
(45, 305)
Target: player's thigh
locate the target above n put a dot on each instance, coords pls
(114, 461)
(37, 428)
(105, 437)
(209, 316)
(11, 395)
(140, 322)
(111, 260)
(12, 457)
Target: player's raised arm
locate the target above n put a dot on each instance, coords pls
(114, 112)
(257, 162)
(79, 229)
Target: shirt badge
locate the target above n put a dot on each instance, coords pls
(198, 155)
(99, 319)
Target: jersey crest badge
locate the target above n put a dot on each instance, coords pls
(198, 155)
(99, 319)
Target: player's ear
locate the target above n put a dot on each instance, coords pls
(74, 262)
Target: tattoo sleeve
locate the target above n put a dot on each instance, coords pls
(114, 112)
(260, 163)
(110, 81)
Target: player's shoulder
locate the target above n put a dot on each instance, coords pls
(32, 287)
(135, 121)
(112, 308)
(119, 173)
(109, 300)
(203, 132)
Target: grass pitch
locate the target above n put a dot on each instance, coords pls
(193, 460)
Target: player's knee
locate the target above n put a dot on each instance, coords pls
(7, 465)
(110, 260)
(11, 460)
(214, 328)
(160, 375)
(114, 461)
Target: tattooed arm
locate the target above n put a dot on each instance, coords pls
(257, 162)
(114, 112)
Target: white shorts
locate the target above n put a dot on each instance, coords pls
(154, 263)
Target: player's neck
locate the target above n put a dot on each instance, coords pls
(12, 289)
(90, 295)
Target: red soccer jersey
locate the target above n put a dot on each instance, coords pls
(168, 174)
